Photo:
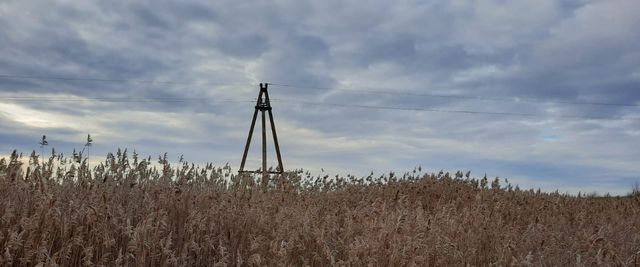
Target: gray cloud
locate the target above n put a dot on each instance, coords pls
(551, 51)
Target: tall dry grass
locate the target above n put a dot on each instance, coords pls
(128, 212)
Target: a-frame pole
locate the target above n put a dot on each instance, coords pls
(263, 104)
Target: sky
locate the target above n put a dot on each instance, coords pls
(571, 66)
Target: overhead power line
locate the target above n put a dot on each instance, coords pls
(444, 110)
(117, 99)
(355, 91)
(351, 91)
(287, 101)
(33, 77)
(498, 99)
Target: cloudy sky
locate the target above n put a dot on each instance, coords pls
(572, 67)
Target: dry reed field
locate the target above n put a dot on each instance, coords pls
(129, 212)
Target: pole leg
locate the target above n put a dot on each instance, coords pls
(253, 124)
(246, 146)
(265, 175)
(275, 141)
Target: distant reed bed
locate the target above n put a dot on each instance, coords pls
(130, 212)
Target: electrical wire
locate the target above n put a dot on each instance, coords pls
(498, 99)
(443, 110)
(199, 99)
(286, 101)
(34, 77)
(351, 91)
(118, 99)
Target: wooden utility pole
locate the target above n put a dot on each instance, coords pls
(263, 104)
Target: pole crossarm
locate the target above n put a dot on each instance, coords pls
(263, 105)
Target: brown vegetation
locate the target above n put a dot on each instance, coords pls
(130, 213)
